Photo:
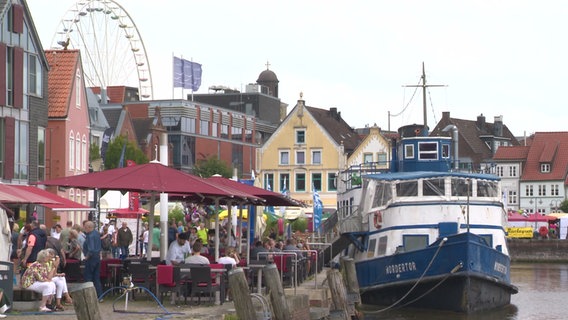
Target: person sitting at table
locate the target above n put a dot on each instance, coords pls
(74, 247)
(177, 250)
(197, 258)
(231, 257)
(38, 278)
(59, 280)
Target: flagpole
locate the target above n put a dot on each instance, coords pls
(173, 75)
(192, 79)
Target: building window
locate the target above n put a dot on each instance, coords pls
(224, 131)
(284, 158)
(214, 129)
(542, 190)
(237, 134)
(545, 167)
(409, 151)
(84, 154)
(512, 197)
(78, 152)
(512, 171)
(2, 145)
(21, 153)
(10, 76)
(499, 171)
(529, 190)
(428, 151)
(316, 156)
(71, 151)
(382, 158)
(40, 153)
(300, 157)
(300, 182)
(204, 127)
(554, 190)
(331, 186)
(300, 136)
(268, 181)
(284, 182)
(34, 75)
(316, 181)
(367, 157)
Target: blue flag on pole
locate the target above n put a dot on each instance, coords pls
(318, 209)
(122, 154)
(187, 74)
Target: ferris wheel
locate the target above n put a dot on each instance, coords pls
(112, 50)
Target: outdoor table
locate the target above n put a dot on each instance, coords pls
(258, 268)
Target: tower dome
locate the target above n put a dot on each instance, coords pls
(269, 81)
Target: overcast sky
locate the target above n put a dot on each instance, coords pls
(496, 58)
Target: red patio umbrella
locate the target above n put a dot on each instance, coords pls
(271, 198)
(151, 177)
(19, 194)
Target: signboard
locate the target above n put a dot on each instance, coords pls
(526, 232)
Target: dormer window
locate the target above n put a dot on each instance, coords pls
(545, 167)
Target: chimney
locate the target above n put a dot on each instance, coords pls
(334, 114)
(480, 122)
(498, 126)
(446, 115)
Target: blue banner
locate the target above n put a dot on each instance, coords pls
(187, 74)
(318, 209)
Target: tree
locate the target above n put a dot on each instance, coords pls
(114, 151)
(206, 168)
(94, 152)
(564, 206)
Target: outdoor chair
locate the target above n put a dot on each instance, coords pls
(202, 283)
(167, 280)
(141, 275)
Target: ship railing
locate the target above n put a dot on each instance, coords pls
(350, 178)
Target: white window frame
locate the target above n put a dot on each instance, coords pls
(300, 152)
(314, 152)
(296, 132)
(280, 154)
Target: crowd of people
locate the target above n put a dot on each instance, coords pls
(41, 258)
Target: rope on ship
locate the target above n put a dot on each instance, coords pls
(456, 268)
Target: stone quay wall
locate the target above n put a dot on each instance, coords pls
(538, 250)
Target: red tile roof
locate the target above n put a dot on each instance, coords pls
(512, 153)
(547, 147)
(62, 67)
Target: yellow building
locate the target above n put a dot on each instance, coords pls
(309, 147)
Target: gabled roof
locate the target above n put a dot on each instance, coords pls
(143, 128)
(547, 148)
(63, 65)
(512, 153)
(336, 127)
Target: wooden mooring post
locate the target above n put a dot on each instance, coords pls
(338, 294)
(351, 284)
(240, 293)
(276, 293)
(86, 302)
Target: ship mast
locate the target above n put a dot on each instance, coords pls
(424, 86)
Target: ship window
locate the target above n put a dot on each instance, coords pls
(414, 242)
(382, 246)
(428, 151)
(445, 151)
(488, 238)
(371, 249)
(487, 189)
(433, 187)
(383, 193)
(460, 188)
(409, 151)
(407, 189)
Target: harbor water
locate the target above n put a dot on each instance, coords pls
(542, 296)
